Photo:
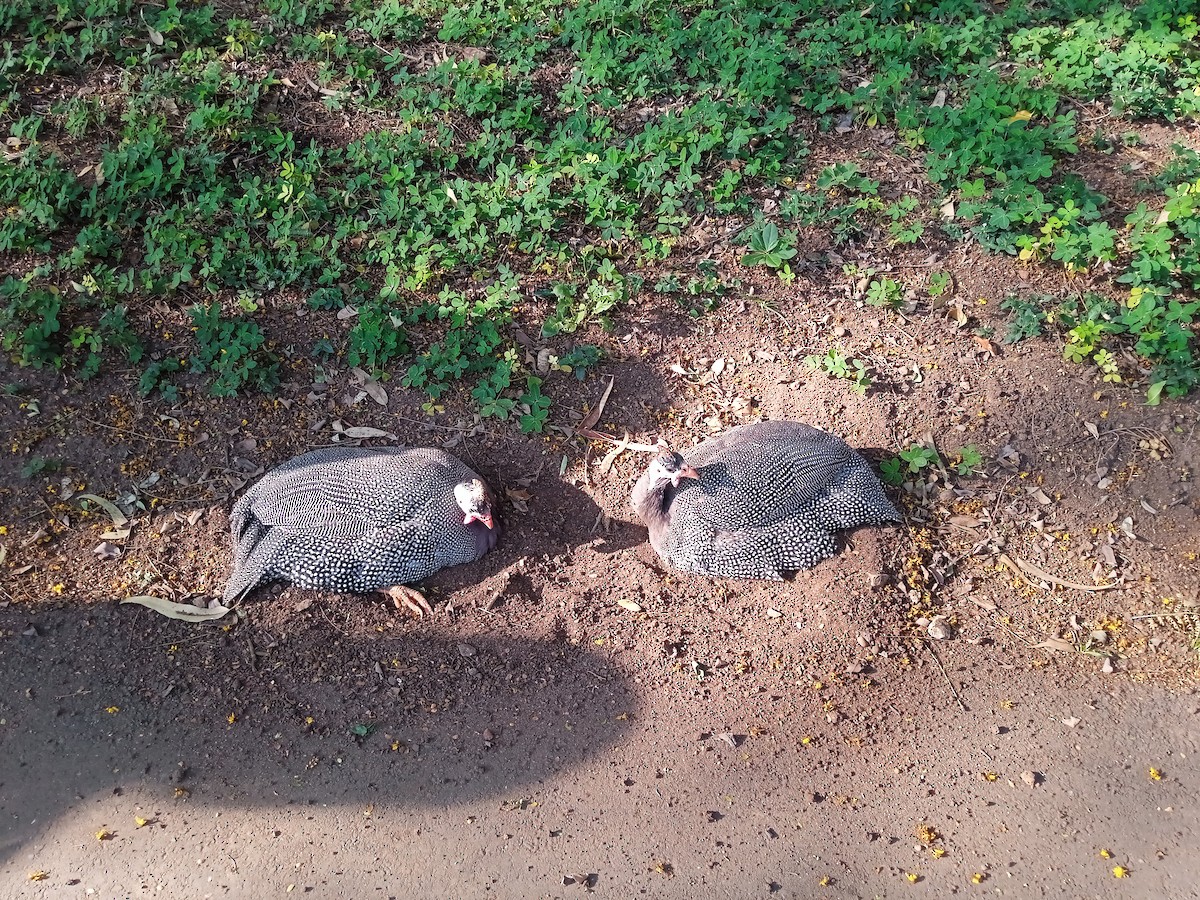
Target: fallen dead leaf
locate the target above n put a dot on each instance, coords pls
(1056, 643)
(185, 612)
(984, 345)
(593, 417)
(119, 519)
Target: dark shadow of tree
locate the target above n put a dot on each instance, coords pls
(257, 718)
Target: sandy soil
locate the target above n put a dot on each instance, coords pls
(700, 739)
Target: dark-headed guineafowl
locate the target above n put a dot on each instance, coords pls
(758, 501)
(353, 519)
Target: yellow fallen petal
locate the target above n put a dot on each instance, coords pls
(1021, 115)
(1120, 872)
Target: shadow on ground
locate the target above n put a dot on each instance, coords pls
(248, 722)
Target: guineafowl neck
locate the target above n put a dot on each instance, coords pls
(653, 504)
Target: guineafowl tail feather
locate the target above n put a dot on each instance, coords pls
(255, 549)
(856, 499)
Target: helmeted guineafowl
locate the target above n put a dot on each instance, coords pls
(758, 501)
(354, 519)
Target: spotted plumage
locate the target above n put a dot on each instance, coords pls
(353, 519)
(758, 501)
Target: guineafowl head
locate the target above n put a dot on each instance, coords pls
(669, 466)
(474, 499)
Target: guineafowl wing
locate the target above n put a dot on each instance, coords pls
(769, 552)
(755, 475)
(348, 491)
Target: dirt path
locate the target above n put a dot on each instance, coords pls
(726, 789)
(573, 708)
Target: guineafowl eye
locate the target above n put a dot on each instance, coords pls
(670, 466)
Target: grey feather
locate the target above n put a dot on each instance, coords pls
(770, 499)
(353, 519)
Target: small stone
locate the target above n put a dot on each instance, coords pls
(1031, 778)
(881, 580)
(466, 650)
(1100, 636)
(939, 630)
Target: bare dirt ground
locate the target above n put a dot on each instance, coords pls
(574, 712)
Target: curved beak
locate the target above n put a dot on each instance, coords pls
(685, 472)
(486, 519)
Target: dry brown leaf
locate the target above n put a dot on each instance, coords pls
(182, 611)
(1038, 494)
(593, 417)
(1056, 643)
(119, 519)
(965, 521)
(984, 345)
(611, 456)
(1025, 569)
(362, 432)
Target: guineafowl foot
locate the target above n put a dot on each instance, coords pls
(408, 598)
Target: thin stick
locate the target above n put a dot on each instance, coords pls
(949, 683)
(624, 445)
(136, 434)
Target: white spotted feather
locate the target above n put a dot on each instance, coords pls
(770, 499)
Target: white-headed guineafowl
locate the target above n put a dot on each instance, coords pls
(758, 501)
(359, 520)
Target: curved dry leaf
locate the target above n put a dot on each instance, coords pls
(361, 432)
(183, 611)
(965, 521)
(1056, 643)
(592, 419)
(376, 392)
(119, 519)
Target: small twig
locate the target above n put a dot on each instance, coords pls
(949, 683)
(608, 438)
(136, 434)
(1025, 569)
